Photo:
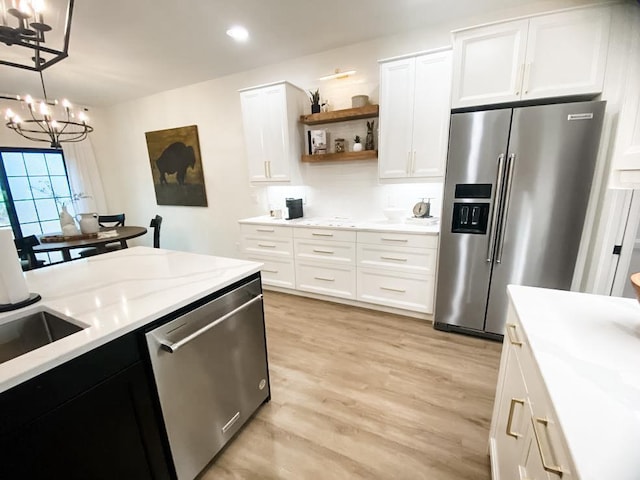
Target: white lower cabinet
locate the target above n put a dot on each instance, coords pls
(325, 261)
(526, 441)
(397, 269)
(272, 246)
(390, 268)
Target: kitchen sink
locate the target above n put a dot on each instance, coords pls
(32, 331)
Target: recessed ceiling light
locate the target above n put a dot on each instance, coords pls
(238, 33)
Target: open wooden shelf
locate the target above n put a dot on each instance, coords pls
(341, 157)
(368, 111)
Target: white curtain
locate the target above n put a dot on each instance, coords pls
(84, 177)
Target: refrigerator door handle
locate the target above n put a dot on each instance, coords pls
(496, 205)
(505, 209)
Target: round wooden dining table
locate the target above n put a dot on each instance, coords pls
(122, 235)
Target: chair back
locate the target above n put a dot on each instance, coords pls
(111, 220)
(24, 246)
(155, 224)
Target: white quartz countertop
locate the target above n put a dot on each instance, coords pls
(114, 294)
(411, 225)
(587, 348)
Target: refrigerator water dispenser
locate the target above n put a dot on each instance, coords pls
(470, 218)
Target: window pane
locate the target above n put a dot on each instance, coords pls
(52, 226)
(13, 163)
(47, 209)
(4, 216)
(26, 211)
(35, 164)
(60, 186)
(20, 189)
(55, 257)
(55, 164)
(30, 229)
(41, 187)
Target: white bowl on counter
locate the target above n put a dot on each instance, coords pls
(394, 214)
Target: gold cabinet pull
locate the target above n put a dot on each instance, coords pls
(319, 250)
(511, 332)
(269, 230)
(398, 259)
(557, 469)
(269, 271)
(400, 290)
(264, 245)
(387, 239)
(318, 234)
(512, 408)
(325, 279)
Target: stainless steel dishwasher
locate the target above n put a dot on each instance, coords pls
(210, 368)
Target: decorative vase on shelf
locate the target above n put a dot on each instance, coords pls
(315, 108)
(314, 98)
(357, 146)
(368, 144)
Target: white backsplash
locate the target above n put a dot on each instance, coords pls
(351, 190)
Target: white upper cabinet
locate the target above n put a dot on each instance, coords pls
(487, 64)
(553, 55)
(271, 130)
(414, 116)
(626, 158)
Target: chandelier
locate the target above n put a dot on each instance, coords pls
(22, 24)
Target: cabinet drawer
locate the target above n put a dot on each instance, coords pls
(274, 247)
(275, 271)
(342, 253)
(399, 290)
(326, 280)
(398, 239)
(405, 259)
(266, 231)
(325, 234)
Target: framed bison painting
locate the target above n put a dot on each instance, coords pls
(176, 166)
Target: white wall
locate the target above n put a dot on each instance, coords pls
(346, 189)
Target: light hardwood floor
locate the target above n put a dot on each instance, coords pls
(363, 394)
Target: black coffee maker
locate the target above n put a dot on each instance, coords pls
(294, 208)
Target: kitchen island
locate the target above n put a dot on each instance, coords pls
(86, 405)
(568, 397)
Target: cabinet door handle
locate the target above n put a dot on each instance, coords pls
(318, 250)
(269, 167)
(266, 174)
(266, 245)
(557, 469)
(397, 259)
(271, 230)
(394, 239)
(391, 289)
(409, 163)
(413, 163)
(322, 234)
(269, 271)
(513, 338)
(519, 79)
(325, 279)
(512, 408)
(527, 73)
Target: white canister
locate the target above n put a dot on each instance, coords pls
(88, 222)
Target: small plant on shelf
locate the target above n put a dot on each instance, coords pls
(357, 146)
(314, 98)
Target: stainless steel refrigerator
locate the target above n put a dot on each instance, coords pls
(515, 197)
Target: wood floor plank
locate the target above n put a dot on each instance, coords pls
(363, 394)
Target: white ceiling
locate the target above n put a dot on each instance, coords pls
(125, 49)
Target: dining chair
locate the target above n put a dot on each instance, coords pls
(156, 222)
(106, 221)
(28, 258)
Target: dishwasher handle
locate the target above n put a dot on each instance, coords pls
(172, 347)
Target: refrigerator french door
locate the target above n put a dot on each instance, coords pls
(515, 197)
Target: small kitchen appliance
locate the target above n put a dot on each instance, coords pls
(293, 208)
